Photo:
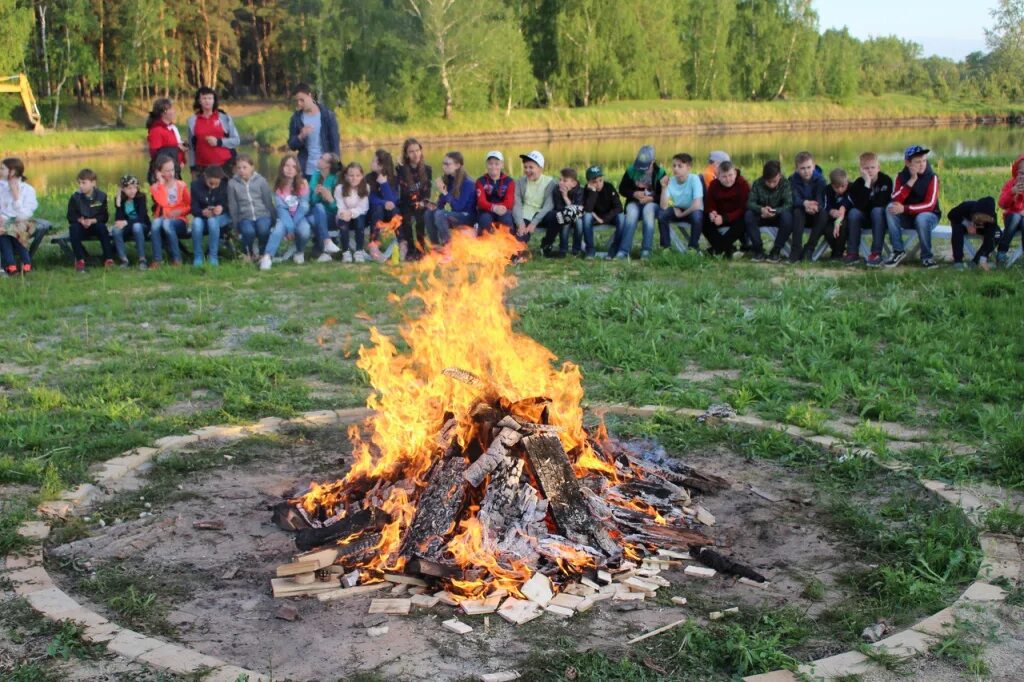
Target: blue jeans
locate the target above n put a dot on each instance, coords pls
(169, 229)
(666, 216)
(254, 230)
(8, 245)
(485, 221)
(588, 233)
(138, 231)
(441, 223)
(347, 227)
(924, 223)
(288, 226)
(212, 226)
(1012, 223)
(321, 217)
(634, 213)
(855, 220)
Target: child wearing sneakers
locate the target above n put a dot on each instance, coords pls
(914, 206)
(352, 196)
(495, 195)
(88, 216)
(871, 193)
(209, 213)
(130, 216)
(838, 204)
(566, 209)
(974, 218)
(1011, 200)
(17, 204)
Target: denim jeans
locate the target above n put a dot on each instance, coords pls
(78, 234)
(254, 230)
(356, 226)
(634, 214)
(924, 223)
(667, 216)
(320, 217)
(1012, 223)
(138, 231)
(212, 227)
(855, 220)
(783, 220)
(8, 245)
(589, 246)
(169, 229)
(295, 227)
(440, 227)
(485, 221)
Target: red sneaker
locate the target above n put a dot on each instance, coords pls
(11, 269)
(154, 265)
(79, 266)
(109, 263)
(26, 268)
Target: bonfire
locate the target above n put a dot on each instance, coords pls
(475, 473)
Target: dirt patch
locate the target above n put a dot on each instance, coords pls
(229, 612)
(695, 374)
(198, 401)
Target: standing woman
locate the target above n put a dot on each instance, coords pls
(414, 182)
(163, 137)
(212, 135)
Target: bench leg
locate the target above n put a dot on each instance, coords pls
(911, 243)
(677, 242)
(1015, 255)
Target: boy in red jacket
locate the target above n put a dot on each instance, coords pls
(914, 206)
(725, 204)
(1011, 200)
(495, 195)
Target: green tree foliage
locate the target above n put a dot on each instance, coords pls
(838, 60)
(18, 22)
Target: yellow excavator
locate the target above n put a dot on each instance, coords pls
(19, 84)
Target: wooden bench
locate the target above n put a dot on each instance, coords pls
(229, 249)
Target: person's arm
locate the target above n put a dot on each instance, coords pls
(339, 197)
(375, 196)
(303, 210)
(295, 143)
(589, 200)
(665, 197)
(190, 155)
(141, 210)
(1007, 196)
(754, 199)
(517, 207)
(362, 208)
(698, 198)
(737, 213)
(231, 138)
(329, 126)
(900, 192)
(27, 202)
(931, 198)
(184, 202)
(467, 198)
(482, 202)
(281, 210)
(509, 200)
(268, 196)
(627, 187)
(616, 208)
(548, 205)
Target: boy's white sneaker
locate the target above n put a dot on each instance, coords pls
(324, 258)
(331, 247)
(299, 258)
(346, 257)
(265, 262)
(360, 256)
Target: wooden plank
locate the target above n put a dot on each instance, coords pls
(297, 568)
(566, 501)
(476, 607)
(345, 593)
(538, 589)
(285, 587)
(404, 580)
(700, 572)
(438, 507)
(323, 557)
(568, 601)
(392, 606)
(424, 601)
(559, 610)
(652, 633)
(304, 578)
(519, 611)
(457, 626)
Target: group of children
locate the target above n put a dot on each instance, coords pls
(363, 209)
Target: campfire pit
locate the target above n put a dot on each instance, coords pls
(476, 475)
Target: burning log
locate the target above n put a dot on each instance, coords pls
(372, 519)
(495, 455)
(287, 517)
(566, 502)
(439, 507)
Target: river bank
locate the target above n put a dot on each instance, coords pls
(267, 129)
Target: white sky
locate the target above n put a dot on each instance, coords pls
(947, 28)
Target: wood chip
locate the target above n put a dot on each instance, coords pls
(568, 601)
(538, 589)
(679, 601)
(519, 611)
(639, 585)
(672, 554)
(286, 612)
(716, 615)
(347, 592)
(629, 596)
(296, 568)
(732, 611)
(559, 610)
(507, 676)
(456, 626)
(377, 631)
(704, 516)
(230, 573)
(766, 495)
(660, 630)
(392, 606)
(304, 578)
(425, 601)
(699, 572)
(754, 583)
(604, 577)
(477, 607)
(208, 525)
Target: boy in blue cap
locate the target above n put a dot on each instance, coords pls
(914, 206)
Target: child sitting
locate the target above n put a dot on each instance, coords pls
(130, 214)
(640, 187)
(383, 198)
(566, 209)
(838, 204)
(974, 218)
(914, 206)
(352, 198)
(17, 204)
(209, 213)
(172, 202)
(726, 203)
(682, 201)
(250, 205)
(1011, 200)
(601, 206)
(322, 206)
(291, 201)
(533, 196)
(458, 192)
(808, 183)
(88, 216)
(495, 195)
(769, 203)
(871, 193)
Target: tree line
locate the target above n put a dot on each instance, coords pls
(399, 59)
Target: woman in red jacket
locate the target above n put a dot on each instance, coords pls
(1011, 200)
(163, 137)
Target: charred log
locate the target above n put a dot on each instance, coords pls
(364, 520)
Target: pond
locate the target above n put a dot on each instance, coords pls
(749, 150)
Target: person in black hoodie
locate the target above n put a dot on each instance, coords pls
(601, 206)
(567, 197)
(974, 218)
(871, 193)
(209, 213)
(87, 219)
(808, 184)
(130, 215)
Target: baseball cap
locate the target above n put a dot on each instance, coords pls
(594, 172)
(534, 156)
(495, 155)
(718, 157)
(644, 158)
(914, 150)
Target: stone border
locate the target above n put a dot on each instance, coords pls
(1001, 553)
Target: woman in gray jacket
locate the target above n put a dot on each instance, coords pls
(212, 135)
(251, 205)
